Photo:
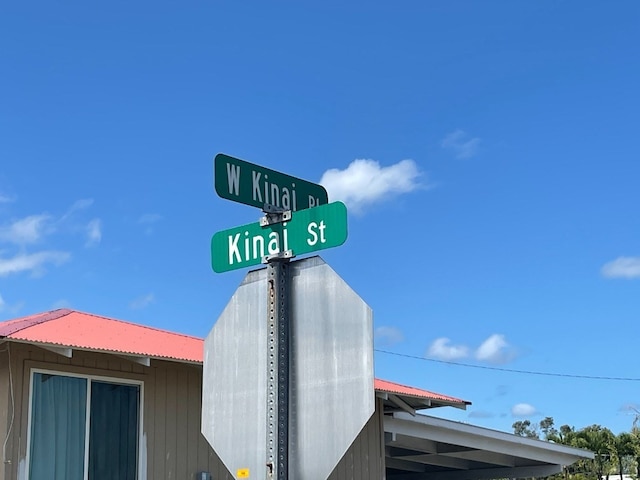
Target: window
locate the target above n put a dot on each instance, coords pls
(83, 428)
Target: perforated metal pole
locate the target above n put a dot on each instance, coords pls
(278, 370)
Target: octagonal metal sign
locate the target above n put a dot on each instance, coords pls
(331, 383)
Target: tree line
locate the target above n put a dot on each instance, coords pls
(613, 454)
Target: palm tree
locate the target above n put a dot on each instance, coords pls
(523, 428)
(635, 431)
(547, 427)
(565, 435)
(624, 445)
(599, 440)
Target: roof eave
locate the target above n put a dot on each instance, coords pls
(132, 355)
(455, 431)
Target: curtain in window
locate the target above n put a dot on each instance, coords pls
(58, 427)
(113, 432)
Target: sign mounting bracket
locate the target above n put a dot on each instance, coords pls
(273, 215)
(286, 255)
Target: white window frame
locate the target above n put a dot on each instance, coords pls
(140, 471)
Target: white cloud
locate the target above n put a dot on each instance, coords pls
(27, 230)
(34, 229)
(142, 302)
(523, 410)
(388, 335)
(6, 198)
(365, 182)
(31, 262)
(81, 204)
(2, 303)
(495, 349)
(461, 144)
(442, 350)
(78, 205)
(622, 267)
(94, 232)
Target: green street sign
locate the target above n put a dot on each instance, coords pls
(308, 231)
(244, 182)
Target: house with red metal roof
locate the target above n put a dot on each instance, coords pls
(88, 397)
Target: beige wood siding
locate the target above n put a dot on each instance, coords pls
(171, 439)
(172, 443)
(5, 404)
(176, 449)
(364, 460)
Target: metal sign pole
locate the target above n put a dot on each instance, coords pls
(278, 371)
(278, 330)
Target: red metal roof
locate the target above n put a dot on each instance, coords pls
(86, 331)
(398, 389)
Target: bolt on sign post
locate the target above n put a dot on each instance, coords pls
(251, 367)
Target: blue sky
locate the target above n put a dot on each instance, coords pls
(487, 153)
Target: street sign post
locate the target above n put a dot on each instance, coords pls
(308, 231)
(274, 392)
(251, 184)
(330, 381)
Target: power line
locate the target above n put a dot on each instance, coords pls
(525, 372)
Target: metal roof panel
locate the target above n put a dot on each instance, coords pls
(81, 330)
(398, 389)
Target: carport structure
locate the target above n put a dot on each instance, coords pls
(424, 447)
